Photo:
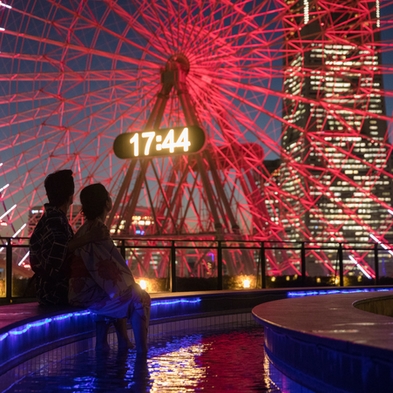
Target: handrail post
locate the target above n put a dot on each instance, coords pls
(123, 249)
(219, 265)
(341, 264)
(376, 264)
(303, 263)
(173, 267)
(262, 258)
(8, 270)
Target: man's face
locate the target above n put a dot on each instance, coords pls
(70, 200)
(109, 204)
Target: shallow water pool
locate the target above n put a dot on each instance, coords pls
(220, 358)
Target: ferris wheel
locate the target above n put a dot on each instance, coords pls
(283, 124)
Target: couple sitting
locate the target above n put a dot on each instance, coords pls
(101, 281)
(97, 277)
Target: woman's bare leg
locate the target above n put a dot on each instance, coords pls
(102, 328)
(122, 334)
(140, 326)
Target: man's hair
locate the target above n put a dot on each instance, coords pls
(59, 186)
(93, 199)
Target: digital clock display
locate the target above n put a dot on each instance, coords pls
(164, 142)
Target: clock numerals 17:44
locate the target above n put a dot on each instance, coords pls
(164, 142)
(151, 137)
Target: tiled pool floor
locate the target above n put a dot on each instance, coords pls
(223, 358)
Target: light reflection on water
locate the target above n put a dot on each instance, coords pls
(178, 368)
(224, 360)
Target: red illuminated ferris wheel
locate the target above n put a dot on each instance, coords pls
(293, 97)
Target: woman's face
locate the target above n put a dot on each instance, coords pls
(109, 204)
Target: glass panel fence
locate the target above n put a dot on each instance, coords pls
(385, 266)
(149, 262)
(192, 265)
(197, 266)
(3, 267)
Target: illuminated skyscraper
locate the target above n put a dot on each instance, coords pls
(333, 138)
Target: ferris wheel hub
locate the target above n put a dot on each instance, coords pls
(176, 61)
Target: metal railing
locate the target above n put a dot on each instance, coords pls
(176, 261)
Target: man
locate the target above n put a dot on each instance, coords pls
(50, 241)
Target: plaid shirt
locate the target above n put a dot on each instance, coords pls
(48, 256)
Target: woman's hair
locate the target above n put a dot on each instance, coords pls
(93, 199)
(59, 186)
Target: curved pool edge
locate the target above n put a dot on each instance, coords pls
(328, 345)
(27, 330)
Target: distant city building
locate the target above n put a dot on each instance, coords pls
(272, 165)
(140, 223)
(272, 205)
(333, 171)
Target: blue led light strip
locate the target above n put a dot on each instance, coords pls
(335, 291)
(3, 336)
(172, 302)
(24, 328)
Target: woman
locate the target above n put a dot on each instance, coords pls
(102, 282)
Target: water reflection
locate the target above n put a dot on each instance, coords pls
(221, 361)
(178, 369)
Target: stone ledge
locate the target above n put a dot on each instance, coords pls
(381, 305)
(328, 345)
